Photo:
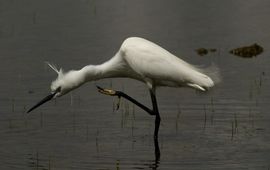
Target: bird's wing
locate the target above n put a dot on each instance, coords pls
(153, 62)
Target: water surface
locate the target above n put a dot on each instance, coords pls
(227, 128)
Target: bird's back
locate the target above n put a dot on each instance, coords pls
(153, 63)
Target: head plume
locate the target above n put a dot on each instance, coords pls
(54, 68)
(66, 81)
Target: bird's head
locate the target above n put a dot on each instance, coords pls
(64, 83)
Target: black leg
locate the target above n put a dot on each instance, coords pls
(153, 111)
(157, 124)
(124, 95)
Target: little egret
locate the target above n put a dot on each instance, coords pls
(138, 59)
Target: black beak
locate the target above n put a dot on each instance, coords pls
(48, 98)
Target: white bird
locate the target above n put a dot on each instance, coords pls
(138, 59)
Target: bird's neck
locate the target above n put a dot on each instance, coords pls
(111, 68)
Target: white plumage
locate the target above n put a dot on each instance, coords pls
(139, 59)
(159, 67)
(142, 60)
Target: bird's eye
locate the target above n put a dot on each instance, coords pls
(58, 89)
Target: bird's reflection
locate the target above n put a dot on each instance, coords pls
(154, 163)
(152, 112)
(157, 154)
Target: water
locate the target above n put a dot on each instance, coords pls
(227, 128)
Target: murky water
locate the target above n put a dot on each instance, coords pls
(227, 128)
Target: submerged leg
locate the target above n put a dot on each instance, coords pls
(153, 111)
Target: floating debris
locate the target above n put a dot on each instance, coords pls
(248, 51)
(31, 91)
(212, 50)
(204, 51)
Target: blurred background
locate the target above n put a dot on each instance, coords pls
(226, 128)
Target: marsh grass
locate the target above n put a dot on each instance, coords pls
(205, 117)
(34, 17)
(97, 141)
(71, 99)
(40, 161)
(235, 123)
(179, 112)
(87, 132)
(41, 119)
(74, 122)
(212, 111)
(12, 105)
(234, 130)
(132, 119)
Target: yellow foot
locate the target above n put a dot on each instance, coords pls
(107, 91)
